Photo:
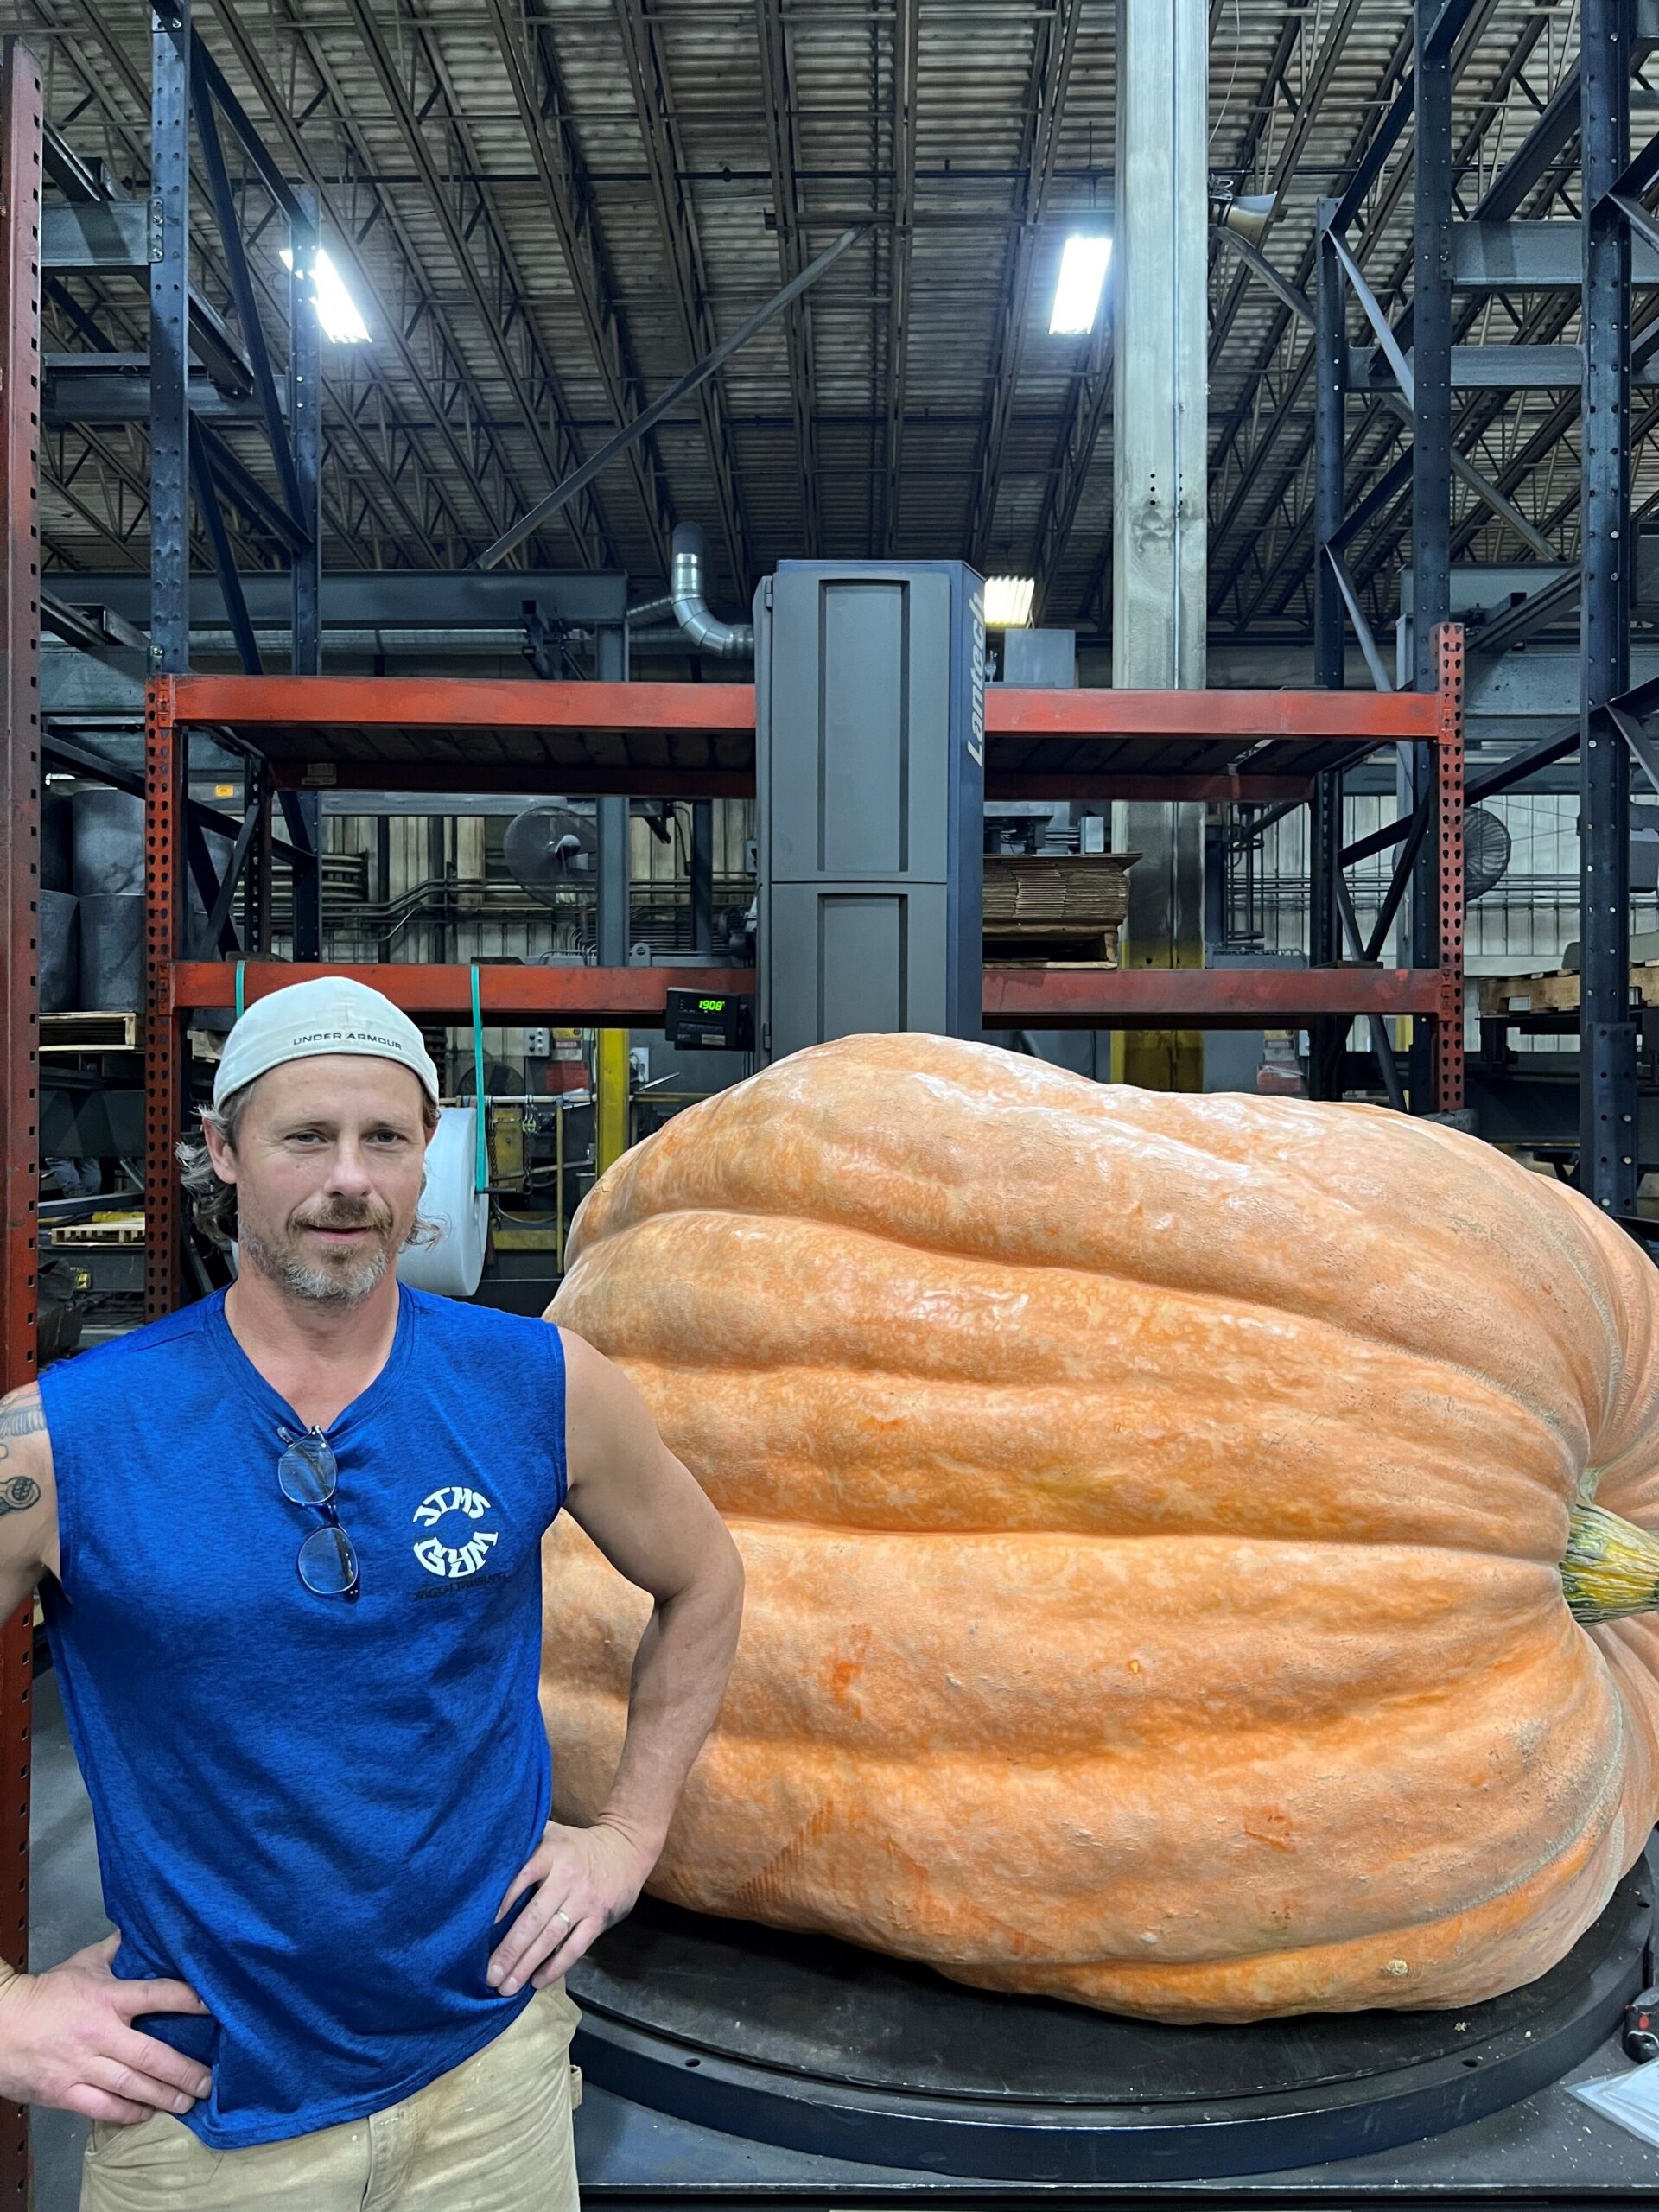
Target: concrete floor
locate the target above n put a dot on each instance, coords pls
(65, 1913)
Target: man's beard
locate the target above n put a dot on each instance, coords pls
(344, 1280)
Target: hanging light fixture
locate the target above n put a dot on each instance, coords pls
(1083, 275)
(1007, 601)
(337, 311)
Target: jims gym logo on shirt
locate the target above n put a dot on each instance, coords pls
(459, 1551)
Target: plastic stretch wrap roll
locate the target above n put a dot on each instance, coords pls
(454, 1264)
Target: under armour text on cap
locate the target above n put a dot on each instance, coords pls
(305, 1021)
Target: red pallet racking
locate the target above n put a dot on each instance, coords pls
(387, 733)
(20, 133)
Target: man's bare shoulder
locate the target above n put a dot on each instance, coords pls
(25, 1446)
(28, 1498)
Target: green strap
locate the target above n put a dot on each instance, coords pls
(481, 1158)
(241, 966)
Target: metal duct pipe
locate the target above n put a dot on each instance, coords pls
(688, 558)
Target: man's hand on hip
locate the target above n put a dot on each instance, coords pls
(66, 2038)
(587, 1879)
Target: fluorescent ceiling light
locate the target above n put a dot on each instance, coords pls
(336, 309)
(1076, 296)
(1007, 601)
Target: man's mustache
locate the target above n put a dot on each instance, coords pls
(344, 1213)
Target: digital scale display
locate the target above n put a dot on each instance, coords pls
(694, 1022)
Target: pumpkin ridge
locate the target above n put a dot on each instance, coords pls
(1260, 1311)
(842, 1800)
(1286, 1181)
(789, 1445)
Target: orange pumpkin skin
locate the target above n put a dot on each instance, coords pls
(1152, 1508)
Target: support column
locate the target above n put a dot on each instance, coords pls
(1330, 1037)
(305, 421)
(1329, 502)
(1607, 1168)
(169, 341)
(612, 656)
(1431, 474)
(703, 874)
(1160, 462)
(22, 110)
(611, 1045)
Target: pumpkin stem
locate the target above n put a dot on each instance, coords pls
(1612, 1567)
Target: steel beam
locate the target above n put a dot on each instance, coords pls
(208, 507)
(1074, 451)
(94, 390)
(1161, 517)
(1607, 1166)
(1518, 368)
(463, 703)
(169, 342)
(702, 874)
(614, 861)
(228, 216)
(21, 113)
(93, 236)
(1490, 257)
(527, 54)
(447, 370)
(305, 414)
(1054, 46)
(1372, 161)
(1200, 998)
(906, 36)
(369, 599)
(1330, 435)
(666, 163)
(629, 436)
(780, 110)
(1431, 456)
(1014, 998)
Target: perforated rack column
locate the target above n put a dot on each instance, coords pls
(165, 745)
(20, 120)
(1448, 764)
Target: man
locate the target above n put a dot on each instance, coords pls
(295, 1532)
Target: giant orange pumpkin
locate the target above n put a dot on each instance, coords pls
(1154, 1509)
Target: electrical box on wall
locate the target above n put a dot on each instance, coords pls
(870, 785)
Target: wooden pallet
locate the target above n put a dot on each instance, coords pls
(118, 1229)
(91, 1032)
(1051, 948)
(1558, 993)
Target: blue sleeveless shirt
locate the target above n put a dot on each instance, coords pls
(307, 1809)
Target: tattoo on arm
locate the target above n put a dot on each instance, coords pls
(20, 1416)
(18, 1493)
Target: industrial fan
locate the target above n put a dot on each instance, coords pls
(550, 846)
(1485, 852)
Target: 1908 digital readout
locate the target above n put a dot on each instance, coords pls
(694, 1023)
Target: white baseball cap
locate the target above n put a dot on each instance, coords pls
(303, 1021)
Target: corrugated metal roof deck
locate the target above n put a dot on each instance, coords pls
(547, 207)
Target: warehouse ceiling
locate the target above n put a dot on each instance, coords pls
(548, 211)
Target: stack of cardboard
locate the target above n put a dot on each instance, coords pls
(1055, 909)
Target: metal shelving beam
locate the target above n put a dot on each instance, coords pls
(1607, 1047)
(1106, 739)
(21, 121)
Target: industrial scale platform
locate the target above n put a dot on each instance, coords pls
(723, 2061)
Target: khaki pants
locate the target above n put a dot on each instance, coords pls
(492, 2136)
